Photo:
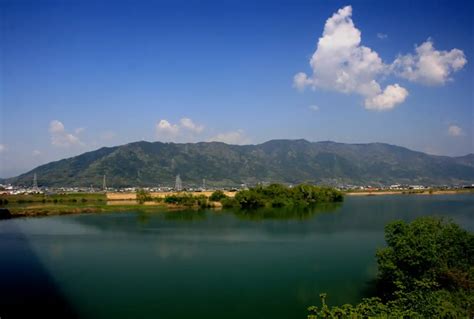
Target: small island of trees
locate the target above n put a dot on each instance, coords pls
(277, 195)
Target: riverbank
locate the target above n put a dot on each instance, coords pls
(67, 204)
(411, 192)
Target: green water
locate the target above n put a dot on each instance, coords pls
(269, 264)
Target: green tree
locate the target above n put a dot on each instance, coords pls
(143, 196)
(426, 271)
(217, 196)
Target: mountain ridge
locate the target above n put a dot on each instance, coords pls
(145, 163)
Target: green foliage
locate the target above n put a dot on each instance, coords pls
(426, 271)
(277, 195)
(187, 200)
(52, 198)
(143, 196)
(217, 196)
(229, 202)
(286, 161)
(249, 199)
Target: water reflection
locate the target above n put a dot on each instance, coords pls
(287, 213)
(267, 263)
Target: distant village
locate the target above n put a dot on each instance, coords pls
(9, 189)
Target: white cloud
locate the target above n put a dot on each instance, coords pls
(232, 137)
(186, 130)
(314, 108)
(300, 81)
(36, 153)
(56, 127)
(429, 66)
(340, 63)
(382, 36)
(391, 96)
(61, 138)
(454, 130)
(163, 127)
(188, 124)
(3, 148)
(79, 130)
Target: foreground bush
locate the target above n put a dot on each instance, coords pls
(426, 271)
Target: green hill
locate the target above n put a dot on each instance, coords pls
(285, 161)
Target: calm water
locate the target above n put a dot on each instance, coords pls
(202, 265)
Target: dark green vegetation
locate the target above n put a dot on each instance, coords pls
(187, 200)
(53, 198)
(282, 161)
(427, 271)
(143, 196)
(217, 196)
(29, 205)
(277, 195)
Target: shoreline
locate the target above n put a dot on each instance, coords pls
(410, 192)
(125, 203)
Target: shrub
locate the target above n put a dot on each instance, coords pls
(143, 196)
(217, 196)
(229, 202)
(426, 271)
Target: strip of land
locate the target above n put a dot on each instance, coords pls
(410, 192)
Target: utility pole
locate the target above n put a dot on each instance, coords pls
(178, 186)
(35, 182)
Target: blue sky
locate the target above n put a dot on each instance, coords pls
(79, 75)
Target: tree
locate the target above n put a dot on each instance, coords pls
(217, 196)
(426, 271)
(143, 195)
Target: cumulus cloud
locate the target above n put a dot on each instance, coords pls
(188, 124)
(166, 129)
(232, 137)
(3, 148)
(428, 65)
(391, 96)
(56, 127)
(186, 129)
(60, 137)
(314, 108)
(342, 64)
(454, 130)
(79, 130)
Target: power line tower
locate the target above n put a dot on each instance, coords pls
(104, 184)
(203, 183)
(35, 182)
(178, 185)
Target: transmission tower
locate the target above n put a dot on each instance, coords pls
(104, 184)
(35, 181)
(178, 186)
(203, 183)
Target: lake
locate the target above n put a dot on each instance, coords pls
(206, 264)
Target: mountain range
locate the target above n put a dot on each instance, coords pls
(220, 164)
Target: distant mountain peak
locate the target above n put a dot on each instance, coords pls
(145, 163)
